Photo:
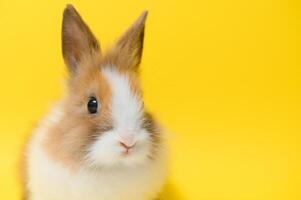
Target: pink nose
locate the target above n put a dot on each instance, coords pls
(126, 145)
(127, 142)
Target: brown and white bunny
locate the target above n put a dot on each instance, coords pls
(98, 142)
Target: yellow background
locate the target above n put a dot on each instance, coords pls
(221, 75)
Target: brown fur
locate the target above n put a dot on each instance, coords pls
(77, 129)
(153, 128)
(127, 52)
(77, 39)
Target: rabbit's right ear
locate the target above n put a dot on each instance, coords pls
(78, 41)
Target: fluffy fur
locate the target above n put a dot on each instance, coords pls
(76, 155)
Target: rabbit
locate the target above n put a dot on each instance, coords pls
(98, 142)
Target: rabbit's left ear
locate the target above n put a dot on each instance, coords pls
(78, 42)
(128, 49)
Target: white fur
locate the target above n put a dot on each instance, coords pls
(126, 107)
(131, 177)
(126, 112)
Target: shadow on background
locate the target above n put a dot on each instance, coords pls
(170, 192)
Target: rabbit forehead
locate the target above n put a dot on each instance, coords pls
(126, 102)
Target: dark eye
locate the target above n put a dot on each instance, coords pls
(92, 105)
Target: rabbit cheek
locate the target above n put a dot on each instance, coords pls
(104, 151)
